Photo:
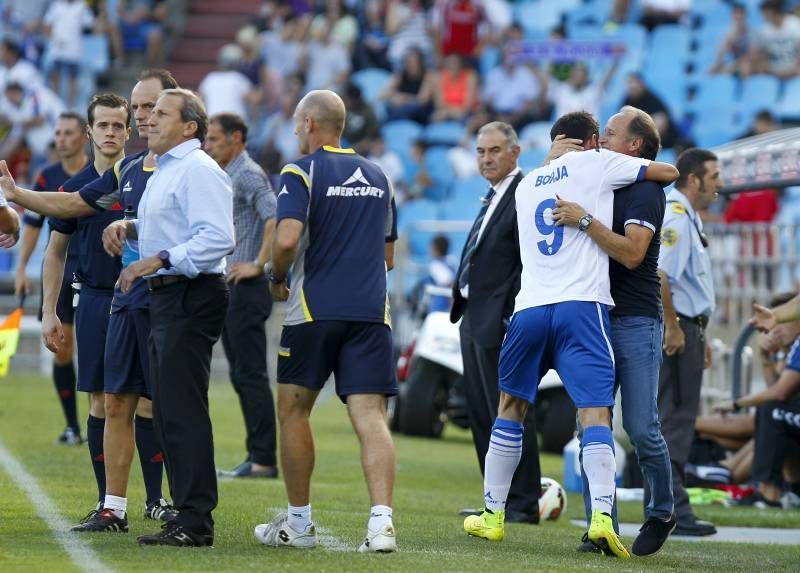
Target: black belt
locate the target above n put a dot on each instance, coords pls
(161, 281)
(700, 320)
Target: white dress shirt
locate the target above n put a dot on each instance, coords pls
(187, 209)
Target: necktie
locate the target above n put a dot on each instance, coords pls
(472, 240)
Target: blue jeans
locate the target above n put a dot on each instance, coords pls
(637, 344)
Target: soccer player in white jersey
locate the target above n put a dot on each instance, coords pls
(561, 321)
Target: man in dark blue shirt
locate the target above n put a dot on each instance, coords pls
(636, 321)
(336, 228)
(70, 143)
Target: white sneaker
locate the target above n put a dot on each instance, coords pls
(381, 541)
(278, 533)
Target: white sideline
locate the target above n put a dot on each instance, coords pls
(79, 551)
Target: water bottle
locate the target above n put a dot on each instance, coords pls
(130, 250)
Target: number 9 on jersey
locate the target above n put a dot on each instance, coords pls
(548, 228)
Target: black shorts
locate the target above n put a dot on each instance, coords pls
(358, 354)
(126, 368)
(65, 311)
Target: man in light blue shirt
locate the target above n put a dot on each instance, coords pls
(184, 227)
(687, 294)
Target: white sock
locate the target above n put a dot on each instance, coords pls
(600, 467)
(299, 517)
(502, 459)
(118, 504)
(380, 516)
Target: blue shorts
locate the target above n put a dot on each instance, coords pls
(69, 69)
(91, 326)
(358, 354)
(570, 337)
(126, 358)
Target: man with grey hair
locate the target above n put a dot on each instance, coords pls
(185, 229)
(633, 245)
(487, 282)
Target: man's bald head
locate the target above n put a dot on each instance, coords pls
(319, 120)
(326, 108)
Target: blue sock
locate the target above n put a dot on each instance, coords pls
(150, 457)
(94, 436)
(502, 459)
(600, 466)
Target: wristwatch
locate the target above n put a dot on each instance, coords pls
(584, 222)
(163, 256)
(271, 277)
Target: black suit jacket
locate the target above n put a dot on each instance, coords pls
(494, 274)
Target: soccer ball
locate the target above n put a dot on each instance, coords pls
(552, 501)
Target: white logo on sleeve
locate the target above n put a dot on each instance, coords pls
(284, 191)
(355, 186)
(127, 188)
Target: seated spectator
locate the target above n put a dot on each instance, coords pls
(370, 50)
(327, 62)
(343, 26)
(736, 45)
(460, 27)
(407, 95)
(279, 142)
(639, 96)
(407, 27)
(226, 89)
(455, 90)
(420, 183)
(15, 68)
(251, 64)
(360, 126)
(141, 24)
(577, 93)
(30, 116)
(776, 45)
(654, 12)
(513, 93)
(282, 47)
(25, 18)
(763, 122)
(65, 22)
(389, 161)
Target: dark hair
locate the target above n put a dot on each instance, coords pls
(781, 298)
(772, 5)
(576, 125)
(168, 82)
(74, 115)
(765, 115)
(441, 244)
(230, 122)
(642, 126)
(692, 161)
(12, 47)
(193, 109)
(108, 100)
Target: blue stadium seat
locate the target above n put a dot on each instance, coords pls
(531, 159)
(789, 105)
(94, 53)
(437, 164)
(456, 209)
(372, 82)
(541, 15)
(469, 192)
(667, 156)
(444, 133)
(410, 213)
(758, 93)
(536, 135)
(400, 135)
(489, 59)
(711, 131)
(714, 93)
(591, 11)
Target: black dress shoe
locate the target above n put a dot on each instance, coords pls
(652, 535)
(467, 511)
(176, 535)
(245, 470)
(693, 527)
(521, 517)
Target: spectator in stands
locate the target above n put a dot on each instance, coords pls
(763, 122)
(420, 182)
(142, 26)
(512, 93)
(65, 22)
(25, 17)
(654, 12)
(460, 26)
(736, 45)
(226, 89)
(407, 26)
(360, 126)
(327, 61)
(30, 116)
(282, 47)
(640, 96)
(441, 273)
(455, 90)
(16, 68)
(578, 93)
(408, 93)
(280, 144)
(390, 162)
(371, 47)
(343, 26)
(776, 45)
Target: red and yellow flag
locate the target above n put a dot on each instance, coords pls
(9, 337)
